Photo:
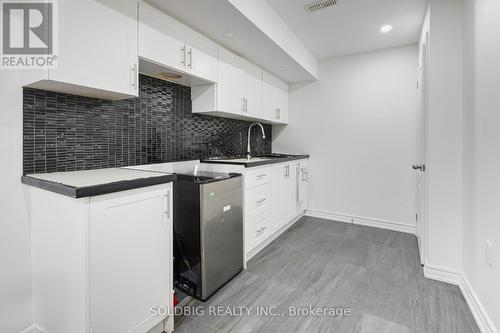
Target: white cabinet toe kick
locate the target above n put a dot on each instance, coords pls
(275, 197)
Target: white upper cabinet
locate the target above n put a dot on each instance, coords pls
(243, 91)
(238, 92)
(275, 98)
(239, 88)
(201, 56)
(230, 84)
(253, 89)
(97, 51)
(161, 38)
(167, 42)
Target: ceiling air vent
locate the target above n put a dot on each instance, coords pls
(319, 5)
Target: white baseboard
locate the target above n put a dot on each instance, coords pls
(366, 221)
(442, 274)
(275, 235)
(482, 318)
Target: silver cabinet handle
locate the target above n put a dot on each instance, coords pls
(183, 55)
(304, 174)
(246, 104)
(133, 72)
(418, 166)
(243, 104)
(261, 229)
(261, 201)
(190, 54)
(278, 113)
(167, 199)
(261, 176)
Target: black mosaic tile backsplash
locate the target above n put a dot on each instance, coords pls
(65, 132)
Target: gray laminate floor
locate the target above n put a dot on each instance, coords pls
(374, 273)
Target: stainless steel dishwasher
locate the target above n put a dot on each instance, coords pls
(208, 231)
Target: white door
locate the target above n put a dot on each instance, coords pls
(421, 158)
(130, 259)
(161, 38)
(98, 45)
(201, 56)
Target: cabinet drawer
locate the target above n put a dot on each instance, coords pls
(257, 230)
(258, 177)
(258, 200)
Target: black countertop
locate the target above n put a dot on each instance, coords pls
(77, 186)
(270, 159)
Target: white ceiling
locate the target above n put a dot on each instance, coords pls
(353, 26)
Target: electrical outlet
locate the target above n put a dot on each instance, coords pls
(489, 253)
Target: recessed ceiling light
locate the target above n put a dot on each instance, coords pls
(229, 34)
(386, 28)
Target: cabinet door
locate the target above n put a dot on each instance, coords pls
(252, 85)
(201, 56)
(274, 98)
(161, 38)
(230, 83)
(279, 195)
(295, 199)
(303, 186)
(130, 237)
(98, 45)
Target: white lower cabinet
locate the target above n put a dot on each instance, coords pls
(274, 196)
(104, 263)
(289, 191)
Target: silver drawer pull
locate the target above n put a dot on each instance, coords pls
(262, 175)
(261, 230)
(261, 201)
(304, 175)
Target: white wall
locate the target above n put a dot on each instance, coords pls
(15, 276)
(444, 165)
(482, 150)
(358, 124)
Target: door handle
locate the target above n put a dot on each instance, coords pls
(420, 167)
